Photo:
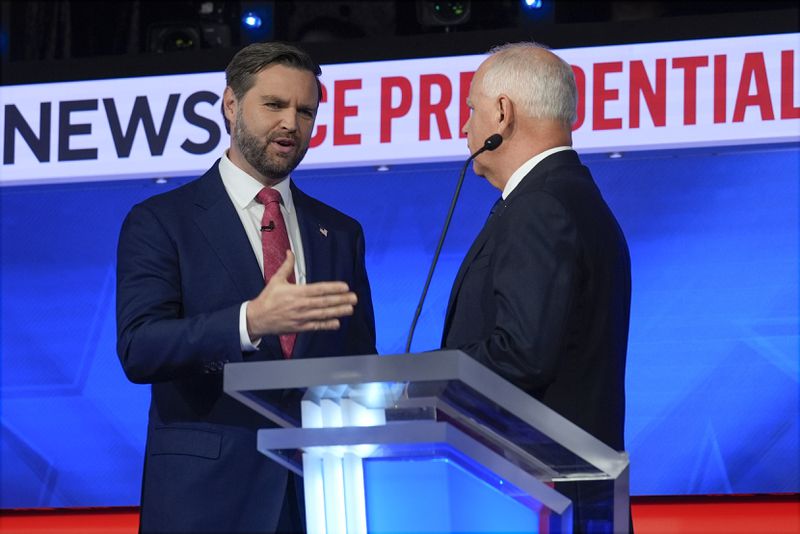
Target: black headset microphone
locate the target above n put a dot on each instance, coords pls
(491, 143)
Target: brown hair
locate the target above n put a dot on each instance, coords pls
(252, 59)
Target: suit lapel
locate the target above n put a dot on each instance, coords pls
(533, 180)
(472, 253)
(317, 251)
(219, 223)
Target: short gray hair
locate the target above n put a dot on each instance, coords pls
(542, 87)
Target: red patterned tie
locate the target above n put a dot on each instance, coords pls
(274, 244)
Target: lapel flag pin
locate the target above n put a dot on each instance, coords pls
(323, 231)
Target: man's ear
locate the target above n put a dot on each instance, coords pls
(505, 114)
(229, 104)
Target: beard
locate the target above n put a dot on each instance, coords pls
(255, 151)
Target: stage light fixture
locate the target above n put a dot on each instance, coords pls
(536, 11)
(256, 21)
(448, 13)
(188, 36)
(251, 20)
(195, 25)
(173, 37)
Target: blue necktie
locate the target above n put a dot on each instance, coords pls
(497, 205)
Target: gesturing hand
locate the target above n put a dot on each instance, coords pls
(284, 308)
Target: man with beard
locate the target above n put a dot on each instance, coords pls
(238, 265)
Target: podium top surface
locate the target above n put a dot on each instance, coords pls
(444, 386)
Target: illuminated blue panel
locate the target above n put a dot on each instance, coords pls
(438, 495)
(712, 381)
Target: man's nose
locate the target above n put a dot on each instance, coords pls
(289, 120)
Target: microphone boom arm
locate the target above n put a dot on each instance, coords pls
(490, 144)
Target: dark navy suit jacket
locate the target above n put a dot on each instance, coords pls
(184, 267)
(543, 297)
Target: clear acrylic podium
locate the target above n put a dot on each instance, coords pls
(430, 442)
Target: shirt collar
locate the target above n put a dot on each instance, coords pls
(527, 167)
(243, 188)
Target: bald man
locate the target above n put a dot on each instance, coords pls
(543, 295)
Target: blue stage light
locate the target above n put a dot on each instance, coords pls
(251, 21)
(532, 4)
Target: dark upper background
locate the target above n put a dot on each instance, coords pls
(60, 40)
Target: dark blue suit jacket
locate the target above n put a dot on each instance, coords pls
(543, 297)
(184, 267)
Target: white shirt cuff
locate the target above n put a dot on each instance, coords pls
(244, 337)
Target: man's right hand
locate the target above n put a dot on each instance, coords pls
(285, 308)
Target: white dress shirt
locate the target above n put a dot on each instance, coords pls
(527, 167)
(242, 190)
